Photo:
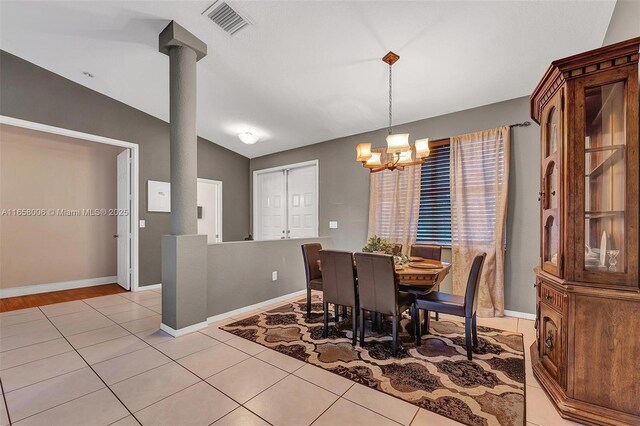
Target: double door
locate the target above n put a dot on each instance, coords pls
(286, 203)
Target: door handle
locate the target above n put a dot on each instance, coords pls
(116, 236)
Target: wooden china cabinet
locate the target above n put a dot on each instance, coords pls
(587, 353)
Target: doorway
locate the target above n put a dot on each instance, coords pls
(285, 202)
(210, 209)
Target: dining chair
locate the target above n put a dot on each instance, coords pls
(339, 286)
(378, 291)
(426, 251)
(311, 255)
(461, 306)
(397, 249)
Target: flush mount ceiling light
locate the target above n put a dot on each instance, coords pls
(398, 153)
(248, 138)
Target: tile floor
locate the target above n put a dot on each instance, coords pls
(104, 361)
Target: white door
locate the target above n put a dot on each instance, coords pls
(209, 210)
(272, 207)
(303, 209)
(124, 221)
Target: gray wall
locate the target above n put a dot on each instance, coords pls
(31, 93)
(625, 22)
(344, 186)
(239, 273)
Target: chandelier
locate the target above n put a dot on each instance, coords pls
(398, 154)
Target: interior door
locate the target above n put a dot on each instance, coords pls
(272, 199)
(208, 210)
(303, 209)
(124, 220)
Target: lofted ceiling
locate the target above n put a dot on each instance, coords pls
(308, 71)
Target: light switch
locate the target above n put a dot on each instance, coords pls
(143, 223)
(333, 224)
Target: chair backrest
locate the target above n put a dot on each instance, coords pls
(426, 251)
(377, 283)
(338, 277)
(311, 255)
(397, 249)
(473, 283)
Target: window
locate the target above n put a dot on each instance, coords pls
(434, 220)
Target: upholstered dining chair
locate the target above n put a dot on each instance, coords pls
(339, 286)
(426, 251)
(378, 291)
(461, 306)
(311, 255)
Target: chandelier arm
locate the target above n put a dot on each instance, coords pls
(390, 100)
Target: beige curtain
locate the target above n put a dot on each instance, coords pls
(394, 204)
(479, 186)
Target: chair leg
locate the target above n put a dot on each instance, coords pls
(308, 302)
(362, 327)
(325, 331)
(394, 336)
(354, 325)
(427, 322)
(475, 331)
(416, 326)
(437, 316)
(467, 337)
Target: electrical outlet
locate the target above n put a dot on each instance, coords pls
(274, 276)
(143, 223)
(333, 224)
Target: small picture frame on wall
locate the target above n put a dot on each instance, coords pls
(158, 196)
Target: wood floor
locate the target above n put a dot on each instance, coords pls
(22, 302)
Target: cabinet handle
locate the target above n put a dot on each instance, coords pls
(535, 285)
(540, 195)
(548, 341)
(548, 296)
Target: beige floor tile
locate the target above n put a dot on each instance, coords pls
(186, 345)
(151, 301)
(157, 290)
(247, 314)
(291, 401)
(143, 324)
(117, 369)
(4, 415)
(65, 308)
(241, 416)
(503, 323)
(530, 378)
(199, 404)
(18, 319)
(282, 361)
(102, 301)
(26, 327)
(26, 339)
(151, 386)
(388, 406)
(128, 305)
(210, 361)
(98, 408)
(154, 336)
(80, 322)
(323, 378)
(99, 335)
(540, 409)
(43, 369)
(156, 308)
(344, 412)
(17, 312)
(127, 421)
(111, 349)
(139, 295)
(32, 353)
(429, 418)
(216, 333)
(50, 393)
(246, 346)
(245, 380)
(137, 313)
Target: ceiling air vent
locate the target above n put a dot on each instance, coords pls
(226, 18)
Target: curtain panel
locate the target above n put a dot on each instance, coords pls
(479, 187)
(394, 205)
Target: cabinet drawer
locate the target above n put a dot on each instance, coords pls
(551, 297)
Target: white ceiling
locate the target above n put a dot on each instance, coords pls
(308, 71)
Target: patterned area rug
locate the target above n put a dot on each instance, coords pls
(437, 376)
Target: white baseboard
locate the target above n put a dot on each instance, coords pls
(184, 330)
(522, 315)
(149, 287)
(63, 285)
(253, 307)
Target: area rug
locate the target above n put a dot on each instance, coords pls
(490, 390)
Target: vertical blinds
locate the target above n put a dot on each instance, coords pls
(434, 222)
